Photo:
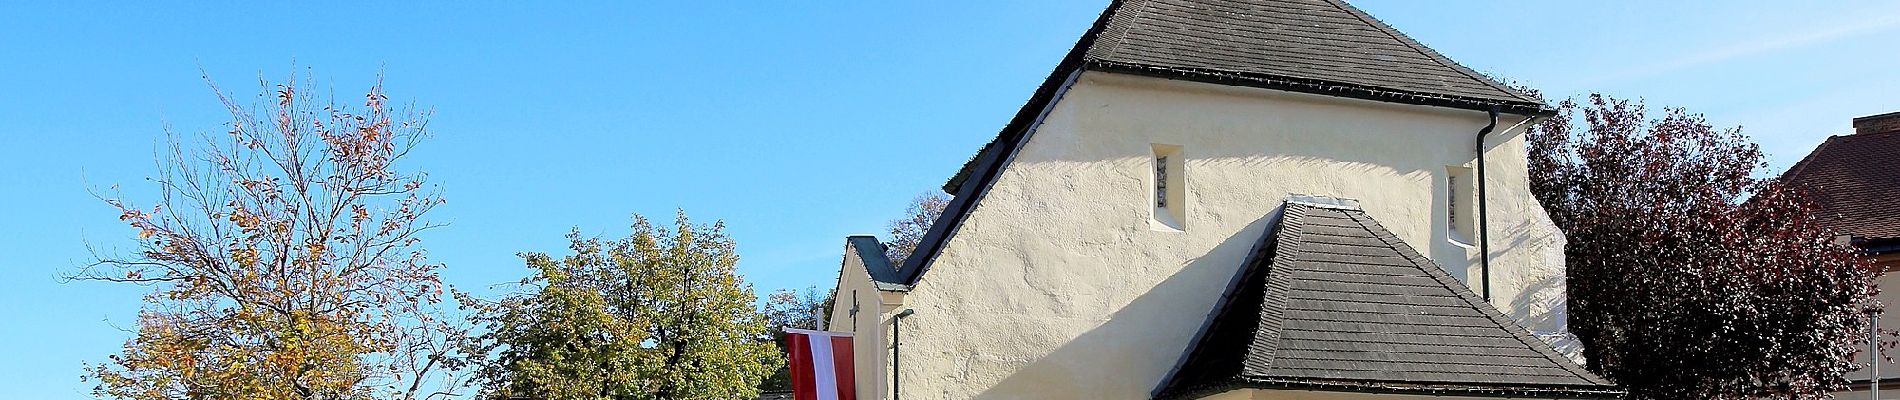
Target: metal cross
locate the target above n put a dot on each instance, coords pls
(854, 310)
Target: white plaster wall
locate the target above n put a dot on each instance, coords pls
(869, 349)
(1057, 287)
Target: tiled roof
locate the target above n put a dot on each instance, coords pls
(1855, 181)
(1325, 42)
(1323, 47)
(1332, 301)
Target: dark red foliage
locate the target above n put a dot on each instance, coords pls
(1689, 276)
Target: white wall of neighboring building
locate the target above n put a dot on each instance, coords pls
(1889, 320)
(869, 326)
(1058, 285)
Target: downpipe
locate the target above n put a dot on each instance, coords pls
(897, 333)
(1484, 229)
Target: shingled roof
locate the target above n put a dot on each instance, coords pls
(1324, 47)
(1853, 180)
(1332, 301)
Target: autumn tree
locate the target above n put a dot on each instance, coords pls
(1690, 276)
(284, 260)
(792, 309)
(660, 314)
(908, 231)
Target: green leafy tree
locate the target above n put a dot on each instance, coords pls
(660, 314)
(1689, 276)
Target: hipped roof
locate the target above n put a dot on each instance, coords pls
(1854, 182)
(1332, 301)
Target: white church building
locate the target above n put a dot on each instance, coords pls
(1231, 199)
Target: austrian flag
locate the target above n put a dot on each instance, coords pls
(821, 365)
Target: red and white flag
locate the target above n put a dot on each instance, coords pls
(821, 365)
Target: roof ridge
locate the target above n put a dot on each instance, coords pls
(1286, 249)
(1484, 307)
(1795, 170)
(1117, 32)
(1428, 52)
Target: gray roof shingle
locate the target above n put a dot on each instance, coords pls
(1332, 301)
(1323, 47)
(1326, 42)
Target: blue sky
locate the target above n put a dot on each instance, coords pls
(796, 122)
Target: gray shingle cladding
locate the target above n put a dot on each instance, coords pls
(1332, 301)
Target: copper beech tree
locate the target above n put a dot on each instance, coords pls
(1690, 277)
(284, 260)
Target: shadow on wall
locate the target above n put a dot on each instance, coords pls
(1542, 306)
(1189, 297)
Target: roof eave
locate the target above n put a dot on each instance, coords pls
(1398, 387)
(1265, 81)
(1324, 88)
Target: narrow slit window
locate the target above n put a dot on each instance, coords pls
(1170, 188)
(1459, 216)
(1161, 181)
(1451, 200)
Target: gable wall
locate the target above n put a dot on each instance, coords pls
(1058, 285)
(869, 326)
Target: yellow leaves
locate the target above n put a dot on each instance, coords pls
(244, 256)
(314, 248)
(139, 220)
(269, 288)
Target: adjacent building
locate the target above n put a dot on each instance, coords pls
(1232, 199)
(1854, 181)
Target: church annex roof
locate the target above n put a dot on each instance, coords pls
(1332, 301)
(877, 264)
